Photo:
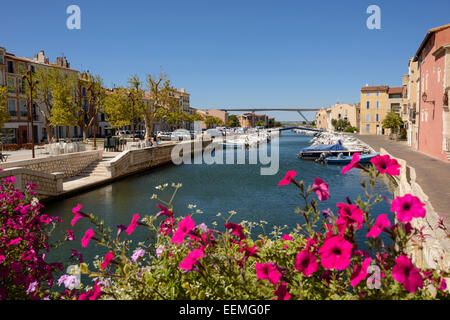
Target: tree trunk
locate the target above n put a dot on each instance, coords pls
(85, 133)
(49, 131)
(148, 129)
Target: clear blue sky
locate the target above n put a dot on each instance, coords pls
(232, 53)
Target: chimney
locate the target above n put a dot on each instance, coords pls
(59, 61)
(41, 56)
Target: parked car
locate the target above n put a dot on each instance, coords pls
(125, 134)
(181, 135)
(165, 136)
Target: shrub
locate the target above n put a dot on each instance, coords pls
(10, 147)
(320, 259)
(24, 273)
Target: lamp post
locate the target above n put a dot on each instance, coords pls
(424, 99)
(31, 84)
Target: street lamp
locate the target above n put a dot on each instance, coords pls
(31, 84)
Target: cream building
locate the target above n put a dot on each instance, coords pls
(345, 111)
(374, 108)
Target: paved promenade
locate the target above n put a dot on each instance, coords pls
(432, 175)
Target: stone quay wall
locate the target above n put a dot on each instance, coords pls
(133, 161)
(69, 164)
(50, 184)
(436, 248)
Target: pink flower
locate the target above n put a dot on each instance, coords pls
(188, 263)
(134, 223)
(184, 227)
(70, 235)
(78, 214)
(349, 214)
(236, 229)
(109, 256)
(360, 272)
(268, 271)
(306, 262)
(407, 274)
(353, 164)
(287, 237)
(288, 178)
(381, 223)
(92, 295)
(2, 258)
(335, 253)
(321, 189)
(387, 165)
(15, 242)
(87, 237)
(282, 293)
(164, 211)
(407, 208)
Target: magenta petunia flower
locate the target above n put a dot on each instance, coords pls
(385, 164)
(78, 214)
(306, 262)
(349, 214)
(70, 235)
(188, 263)
(164, 212)
(92, 295)
(353, 164)
(184, 227)
(287, 237)
(321, 189)
(381, 223)
(87, 237)
(134, 223)
(407, 274)
(268, 271)
(288, 178)
(236, 229)
(407, 208)
(2, 258)
(109, 256)
(282, 292)
(335, 253)
(360, 272)
(14, 242)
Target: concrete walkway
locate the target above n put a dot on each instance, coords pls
(433, 175)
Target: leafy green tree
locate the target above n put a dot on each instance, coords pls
(4, 113)
(213, 122)
(117, 108)
(64, 109)
(160, 93)
(392, 121)
(340, 124)
(136, 99)
(260, 123)
(233, 121)
(96, 98)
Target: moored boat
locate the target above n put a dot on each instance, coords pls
(341, 159)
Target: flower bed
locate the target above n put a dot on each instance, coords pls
(320, 259)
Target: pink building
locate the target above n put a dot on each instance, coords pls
(433, 58)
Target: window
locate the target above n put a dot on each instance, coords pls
(11, 85)
(21, 68)
(23, 108)
(367, 117)
(377, 117)
(377, 93)
(378, 104)
(10, 67)
(21, 85)
(12, 107)
(368, 94)
(368, 105)
(368, 128)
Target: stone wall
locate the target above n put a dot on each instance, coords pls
(132, 161)
(436, 249)
(50, 184)
(69, 164)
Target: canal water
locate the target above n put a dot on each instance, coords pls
(213, 189)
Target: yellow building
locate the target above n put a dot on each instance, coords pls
(374, 108)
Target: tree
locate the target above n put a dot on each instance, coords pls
(392, 121)
(159, 93)
(96, 98)
(340, 124)
(213, 122)
(117, 108)
(260, 123)
(43, 95)
(64, 109)
(4, 113)
(136, 99)
(233, 121)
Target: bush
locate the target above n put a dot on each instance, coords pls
(351, 130)
(24, 274)
(10, 147)
(320, 259)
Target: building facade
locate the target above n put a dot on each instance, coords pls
(250, 120)
(215, 113)
(433, 58)
(373, 109)
(413, 101)
(344, 111)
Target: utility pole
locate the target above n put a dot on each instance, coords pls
(31, 85)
